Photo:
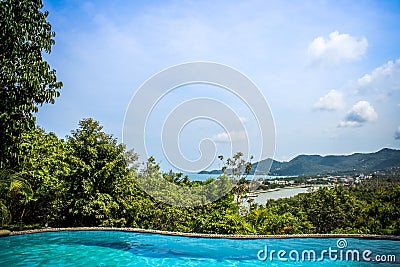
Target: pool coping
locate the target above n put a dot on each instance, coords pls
(4, 232)
(202, 235)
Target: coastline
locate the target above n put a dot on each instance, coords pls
(257, 192)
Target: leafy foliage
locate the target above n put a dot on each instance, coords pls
(15, 192)
(44, 166)
(91, 180)
(26, 80)
(98, 165)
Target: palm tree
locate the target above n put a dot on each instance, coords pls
(14, 191)
(5, 215)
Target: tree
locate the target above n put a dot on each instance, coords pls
(26, 79)
(15, 192)
(44, 166)
(237, 169)
(98, 166)
(33, 192)
(224, 222)
(268, 221)
(332, 210)
(383, 213)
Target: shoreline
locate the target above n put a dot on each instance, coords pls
(280, 188)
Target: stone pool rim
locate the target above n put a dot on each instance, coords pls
(202, 235)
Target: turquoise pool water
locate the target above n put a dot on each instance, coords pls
(117, 248)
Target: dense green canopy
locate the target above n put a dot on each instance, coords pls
(26, 79)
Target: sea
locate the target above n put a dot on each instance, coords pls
(203, 177)
(262, 197)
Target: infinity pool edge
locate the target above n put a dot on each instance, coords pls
(202, 235)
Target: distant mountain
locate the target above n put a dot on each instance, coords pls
(384, 159)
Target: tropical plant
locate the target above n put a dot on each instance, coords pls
(15, 192)
(98, 165)
(26, 79)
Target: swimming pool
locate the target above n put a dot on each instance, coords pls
(119, 248)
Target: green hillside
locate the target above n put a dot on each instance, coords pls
(314, 164)
(383, 160)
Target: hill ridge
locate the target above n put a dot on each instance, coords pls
(386, 159)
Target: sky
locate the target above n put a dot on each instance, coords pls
(329, 70)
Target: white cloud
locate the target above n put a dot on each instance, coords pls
(385, 77)
(347, 123)
(397, 134)
(234, 136)
(365, 80)
(339, 47)
(331, 101)
(359, 114)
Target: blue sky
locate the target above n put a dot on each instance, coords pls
(330, 70)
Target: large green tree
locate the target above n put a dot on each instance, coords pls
(98, 166)
(44, 167)
(26, 79)
(34, 192)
